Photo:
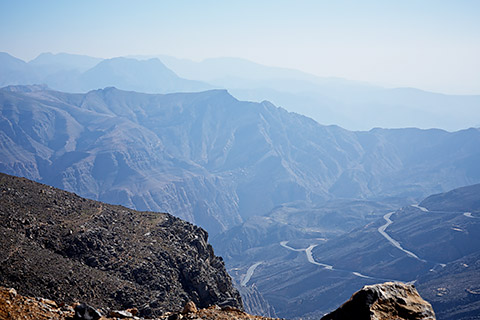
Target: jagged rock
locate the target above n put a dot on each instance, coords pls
(86, 312)
(390, 300)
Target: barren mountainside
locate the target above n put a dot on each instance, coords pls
(57, 245)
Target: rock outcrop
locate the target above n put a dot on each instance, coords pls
(390, 300)
(57, 245)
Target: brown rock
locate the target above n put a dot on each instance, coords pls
(190, 307)
(232, 309)
(12, 292)
(133, 311)
(390, 300)
(51, 303)
(214, 307)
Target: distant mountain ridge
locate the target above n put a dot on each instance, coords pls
(77, 73)
(64, 62)
(354, 105)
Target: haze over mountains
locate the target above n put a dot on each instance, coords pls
(74, 73)
(296, 208)
(350, 104)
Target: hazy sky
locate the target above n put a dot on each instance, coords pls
(428, 44)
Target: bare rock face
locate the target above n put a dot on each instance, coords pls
(390, 300)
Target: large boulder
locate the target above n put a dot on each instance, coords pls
(390, 300)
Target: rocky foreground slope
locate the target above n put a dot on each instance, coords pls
(15, 306)
(56, 245)
(383, 301)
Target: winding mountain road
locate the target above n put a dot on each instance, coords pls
(421, 208)
(469, 215)
(393, 241)
(310, 259)
(308, 252)
(249, 274)
(399, 246)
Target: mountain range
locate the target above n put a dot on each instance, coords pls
(350, 104)
(214, 160)
(76, 73)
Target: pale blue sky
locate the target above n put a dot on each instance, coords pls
(432, 45)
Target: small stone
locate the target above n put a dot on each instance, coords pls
(85, 312)
(232, 309)
(67, 308)
(120, 314)
(12, 292)
(51, 303)
(133, 311)
(214, 307)
(189, 307)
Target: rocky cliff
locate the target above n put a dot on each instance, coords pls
(390, 300)
(60, 246)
